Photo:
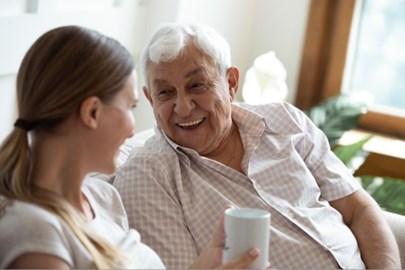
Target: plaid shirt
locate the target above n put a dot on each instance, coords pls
(174, 197)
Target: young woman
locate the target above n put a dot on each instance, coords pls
(75, 93)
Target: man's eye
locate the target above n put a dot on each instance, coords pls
(164, 94)
(197, 86)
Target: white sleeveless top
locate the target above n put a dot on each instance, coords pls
(25, 228)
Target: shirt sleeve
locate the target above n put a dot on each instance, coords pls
(26, 229)
(333, 177)
(154, 209)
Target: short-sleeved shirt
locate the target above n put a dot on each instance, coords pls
(175, 197)
(26, 227)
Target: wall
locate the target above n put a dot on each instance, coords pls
(23, 21)
(252, 27)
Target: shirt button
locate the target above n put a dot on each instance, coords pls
(291, 214)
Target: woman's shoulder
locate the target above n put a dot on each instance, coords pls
(26, 227)
(23, 214)
(99, 190)
(105, 200)
(23, 220)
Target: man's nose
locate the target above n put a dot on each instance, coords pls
(184, 104)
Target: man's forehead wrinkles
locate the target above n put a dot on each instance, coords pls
(189, 74)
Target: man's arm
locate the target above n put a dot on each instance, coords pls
(377, 243)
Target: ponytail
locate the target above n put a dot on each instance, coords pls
(15, 175)
(15, 165)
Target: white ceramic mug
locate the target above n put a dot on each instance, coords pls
(246, 228)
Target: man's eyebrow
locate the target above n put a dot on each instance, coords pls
(188, 75)
(159, 81)
(193, 72)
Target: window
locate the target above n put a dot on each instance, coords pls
(373, 63)
(376, 58)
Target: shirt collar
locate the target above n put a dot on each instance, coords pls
(248, 122)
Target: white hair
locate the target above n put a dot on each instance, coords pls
(170, 39)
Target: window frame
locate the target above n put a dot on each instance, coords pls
(323, 63)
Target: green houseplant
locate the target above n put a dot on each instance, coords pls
(334, 117)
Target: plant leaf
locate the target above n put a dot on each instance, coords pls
(347, 152)
(389, 194)
(336, 116)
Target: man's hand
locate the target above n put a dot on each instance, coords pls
(211, 256)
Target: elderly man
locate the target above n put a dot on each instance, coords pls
(208, 152)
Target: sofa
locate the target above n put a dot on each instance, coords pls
(395, 221)
(397, 225)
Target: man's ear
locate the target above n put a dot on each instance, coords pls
(90, 111)
(232, 75)
(147, 94)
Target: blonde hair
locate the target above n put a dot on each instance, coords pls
(60, 70)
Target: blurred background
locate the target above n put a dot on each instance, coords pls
(342, 62)
(251, 27)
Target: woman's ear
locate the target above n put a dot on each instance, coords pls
(232, 75)
(90, 111)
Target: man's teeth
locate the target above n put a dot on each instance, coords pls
(191, 123)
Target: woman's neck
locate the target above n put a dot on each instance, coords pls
(57, 167)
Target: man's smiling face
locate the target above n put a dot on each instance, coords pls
(191, 99)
